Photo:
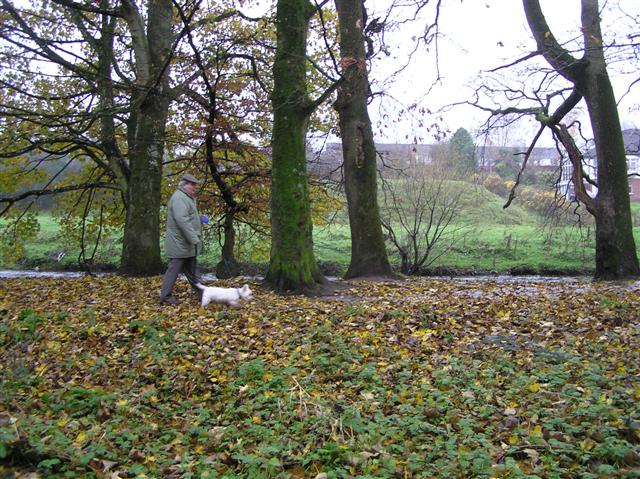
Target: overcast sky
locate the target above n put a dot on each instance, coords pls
(477, 35)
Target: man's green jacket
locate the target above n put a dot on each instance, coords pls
(182, 239)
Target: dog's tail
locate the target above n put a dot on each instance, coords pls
(200, 286)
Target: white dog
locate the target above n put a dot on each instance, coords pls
(230, 296)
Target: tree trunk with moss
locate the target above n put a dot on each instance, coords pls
(141, 245)
(146, 135)
(292, 265)
(616, 256)
(368, 253)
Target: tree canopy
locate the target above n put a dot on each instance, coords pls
(463, 151)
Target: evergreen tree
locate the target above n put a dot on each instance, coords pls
(463, 152)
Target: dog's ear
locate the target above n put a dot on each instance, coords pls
(245, 288)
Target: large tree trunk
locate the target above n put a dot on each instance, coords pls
(141, 245)
(146, 135)
(368, 253)
(616, 256)
(615, 247)
(292, 264)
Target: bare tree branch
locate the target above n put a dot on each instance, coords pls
(11, 200)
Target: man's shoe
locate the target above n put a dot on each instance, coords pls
(169, 300)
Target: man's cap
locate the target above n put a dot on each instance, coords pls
(190, 178)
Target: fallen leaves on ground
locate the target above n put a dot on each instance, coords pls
(409, 378)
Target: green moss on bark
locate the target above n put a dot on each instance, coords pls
(292, 265)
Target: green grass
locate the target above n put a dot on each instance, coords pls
(523, 247)
(44, 250)
(490, 248)
(493, 239)
(490, 238)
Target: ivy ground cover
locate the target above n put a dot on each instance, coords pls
(415, 378)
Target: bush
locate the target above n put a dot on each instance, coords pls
(542, 202)
(496, 185)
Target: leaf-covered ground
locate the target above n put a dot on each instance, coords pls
(417, 378)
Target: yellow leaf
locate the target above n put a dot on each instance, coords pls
(536, 431)
(534, 387)
(424, 333)
(513, 440)
(367, 395)
(587, 444)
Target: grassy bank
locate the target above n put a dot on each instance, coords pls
(496, 248)
(491, 239)
(499, 248)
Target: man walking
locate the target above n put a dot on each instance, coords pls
(182, 239)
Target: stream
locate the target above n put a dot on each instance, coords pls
(503, 278)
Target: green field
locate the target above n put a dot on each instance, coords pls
(490, 239)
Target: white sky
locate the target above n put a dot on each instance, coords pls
(479, 35)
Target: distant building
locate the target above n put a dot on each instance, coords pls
(632, 148)
(328, 162)
(542, 159)
(634, 181)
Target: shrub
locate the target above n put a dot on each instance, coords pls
(496, 185)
